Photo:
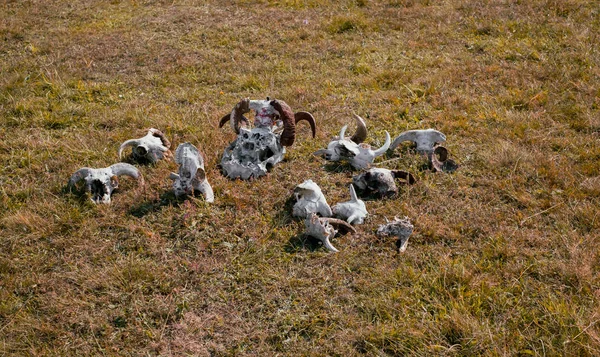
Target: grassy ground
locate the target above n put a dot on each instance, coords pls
(505, 257)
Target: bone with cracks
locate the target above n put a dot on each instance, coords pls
(326, 228)
(310, 199)
(256, 150)
(399, 228)
(101, 183)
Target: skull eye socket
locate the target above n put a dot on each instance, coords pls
(256, 136)
(187, 175)
(245, 135)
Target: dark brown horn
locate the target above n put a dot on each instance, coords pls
(361, 130)
(407, 176)
(289, 124)
(243, 106)
(309, 118)
(340, 225)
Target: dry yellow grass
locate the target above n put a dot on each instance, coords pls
(505, 257)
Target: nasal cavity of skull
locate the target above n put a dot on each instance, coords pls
(97, 188)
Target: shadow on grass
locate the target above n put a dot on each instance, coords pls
(339, 166)
(283, 217)
(166, 199)
(301, 242)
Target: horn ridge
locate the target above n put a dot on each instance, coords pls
(287, 117)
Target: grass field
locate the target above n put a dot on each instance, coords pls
(505, 256)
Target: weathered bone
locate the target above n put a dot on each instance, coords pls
(325, 228)
(191, 177)
(256, 150)
(401, 228)
(353, 211)
(439, 162)
(425, 139)
(152, 147)
(381, 181)
(102, 182)
(310, 199)
(360, 156)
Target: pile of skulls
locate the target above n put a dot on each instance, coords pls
(256, 150)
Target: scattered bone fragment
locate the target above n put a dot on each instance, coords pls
(353, 150)
(400, 228)
(353, 211)
(101, 183)
(310, 199)
(256, 150)
(382, 182)
(150, 148)
(326, 228)
(425, 139)
(192, 176)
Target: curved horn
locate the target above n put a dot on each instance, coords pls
(343, 132)
(442, 152)
(341, 225)
(384, 147)
(309, 118)
(159, 134)
(125, 169)
(353, 196)
(289, 124)
(321, 152)
(236, 117)
(361, 130)
(78, 176)
(327, 244)
(405, 175)
(405, 136)
(131, 142)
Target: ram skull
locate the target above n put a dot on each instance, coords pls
(381, 181)
(257, 150)
(353, 150)
(310, 199)
(425, 139)
(353, 211)
(150, 148)
(101, 183)
(192, 176)
(326, 228)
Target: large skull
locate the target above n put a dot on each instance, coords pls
(252, 154)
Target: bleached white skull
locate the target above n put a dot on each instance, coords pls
(191, 177)
(257, 150)
(326, 228)
(425, 139)
(310, 199)
(358, 154)
(101, 183)
(353, 211)
(381, 181)
(150, 148)
(400, 228)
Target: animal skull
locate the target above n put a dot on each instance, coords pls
(151, 148)
(401, 228)
(353, 211)
(358, 154)
(310, 199)
(381, 181)
(325, 228)
(191, 177)
(102, 182)
(425, 139)
(256, 150)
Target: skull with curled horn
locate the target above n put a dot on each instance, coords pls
(257, 149)
(100, 183)
(150, 148)
(192, 176)
(353, 150)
